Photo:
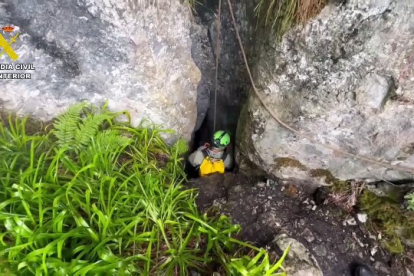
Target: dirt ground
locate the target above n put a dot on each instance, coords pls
(265, 208)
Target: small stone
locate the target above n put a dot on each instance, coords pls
(238, 189)
(314, 208)
(195, 273)
(261, 184)
(308, 235)
(269, 219)
(342, 248)
(374, 250)
(270, 182)
(358, 240)
(269, 197)
(292, 191)
(350, 221)
(381, 267)
(266, 206)
(362, 218)
(372, 237)
(320, 250)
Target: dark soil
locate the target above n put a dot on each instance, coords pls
(264, 209)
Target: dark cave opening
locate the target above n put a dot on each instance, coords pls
(232, 84)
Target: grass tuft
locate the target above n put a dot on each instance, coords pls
(281, 15)
(98, 197)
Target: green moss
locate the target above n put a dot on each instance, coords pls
(393, 244)
(388, 217)
(283, 162)
(338, 186)
(329, 178)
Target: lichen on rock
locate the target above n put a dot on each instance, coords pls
(345, 79)
(135, 55)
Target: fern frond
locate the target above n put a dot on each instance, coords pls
(66, 125)
(88, 129)
(180, 147)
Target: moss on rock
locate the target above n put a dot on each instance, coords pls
(389, 218)
(283, 162)
(338, 186)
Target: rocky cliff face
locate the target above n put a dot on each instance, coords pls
(137, 56)
(348, 78)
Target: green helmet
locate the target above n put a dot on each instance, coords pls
(221, 139)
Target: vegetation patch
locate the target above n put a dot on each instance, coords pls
(390, 219)
(97, 197)
(281, 15)
(337, 186)
(410, 201)
(283, 162)
(387, 218)
(33, 125)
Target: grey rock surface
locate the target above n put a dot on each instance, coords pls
(347, 79)
(135, 55)
(299, 261)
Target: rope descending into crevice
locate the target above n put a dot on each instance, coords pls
(302, 135)
(218, 25)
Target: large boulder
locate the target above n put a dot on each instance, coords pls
(347, 78)
(134, 54)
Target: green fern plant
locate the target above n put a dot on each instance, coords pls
(87, 129)
(180, 147)
(75, 131)
(66, 125)
(112, 140)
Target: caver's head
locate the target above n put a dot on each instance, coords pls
(221, 139)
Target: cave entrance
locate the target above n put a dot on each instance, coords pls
(232, 83)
